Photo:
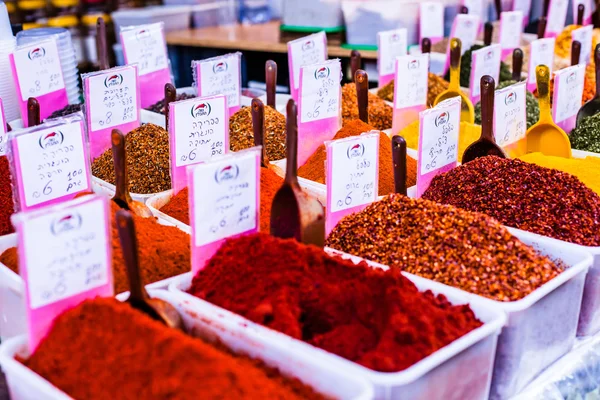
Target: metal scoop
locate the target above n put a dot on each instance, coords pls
(33, 112)
(362, 95)
(399, 159)
(467, 114)
(139, 299)
(294, 213)
(271, 82)
(545, 136)
(592, 107)
(486, 144)
(122, 196)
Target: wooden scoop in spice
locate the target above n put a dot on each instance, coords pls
(139, 299)
(467, 113)
(271, 82)
(362, 95)
(517, 64)
(101, 50)
(294, 213)
(258, 128)
(170, 96)
(426, 45)
(580, 12)
(545, 136)
(355, 62)
(541, 30)
(122, 196)
(399, 159)
(592, 107)
(488, 32)
(575, 52)
(33, 112)
(486, 144)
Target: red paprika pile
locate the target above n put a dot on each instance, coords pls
(270, 182)
(6, 198)
(104, 349)
(376, 318)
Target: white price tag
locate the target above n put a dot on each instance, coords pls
(587, 11)
(145, 45)
(465, 28)
(308, 50)
(221, 75)
(485, 61)
(511, 23)
(522, 5)
(431, 20)
(320, 92)
(440, 127)
(475, 7)
(568, 91)
(510, 114)
(38, 69)
(353, 166)
(542, 53)
(392, 44)
(557, 14)
(584, 36)
(411, 84)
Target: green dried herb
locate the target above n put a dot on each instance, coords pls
(465, 68)
(587, 135)
(532, 107)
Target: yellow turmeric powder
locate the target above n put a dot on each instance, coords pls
(586, 169)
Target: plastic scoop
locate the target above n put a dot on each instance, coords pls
(580, 11)
(122, 196)
(541, 30)
(517, 64)
(258, 128)
(271, 82)
(101, 50)
(355, 62)
(467, 114)
(362, 94)
(170, 96)
(486, 144)
(33, 112)
(139, 299)
(399, 159)
(488, 31)
(575, 52)
(592, 107)
(425, 45)
(294, 213)
(545, 136)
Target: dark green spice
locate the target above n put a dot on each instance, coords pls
(465, 68)
(531, 104)
(159, 106)
(587, 135)
(68, 110)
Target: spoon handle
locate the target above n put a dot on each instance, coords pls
(355, 62)
(542, 78)
(271, 81)
(488, 31)
(498, 5)
(575, 52)
(399, 159)
(258, 128)
(517, 64)
(580, 11)
(120, 165)
(33, 112)
(487, 86)
(129, 246)
(455, 45)
(291, 172)
(362, 94)
(425, 45)
(541, 31)
(170, 96)
(597, 66)
(464, 10)
(101, 50)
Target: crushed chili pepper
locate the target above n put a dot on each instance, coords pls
(270, 182)
(435, 86)
(314, 168)
(523, 195)
(159, 106)
(458, 248)
(377, 318)
(164, 252)
(241, 133)
(7, 207)
(380, 114)
(105, 349)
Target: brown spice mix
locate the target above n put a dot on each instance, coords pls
(380, 114)
(241, 134)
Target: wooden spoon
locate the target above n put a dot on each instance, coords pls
(362, 94)
(580, 11)
(170, 96)
(541, 31)
(294, 213)
(271, 81)
(498, 6)
(575, 52)
(33, 112)
(517, 64)
(399, 159)
(464, 10)
(122, 196)
(488, 31)
(258, 128)
(486, 144)
(156, 309)
(426, 45)
(101, 50)
(592, 107)
(355, 62)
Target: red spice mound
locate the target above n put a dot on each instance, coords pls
(373, 317)
(523, 195)
(104, 349)
(270, 183)
(6, 198)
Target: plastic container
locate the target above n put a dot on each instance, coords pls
(174, 17)
(213, 14)
(25, 384)
(313, 13)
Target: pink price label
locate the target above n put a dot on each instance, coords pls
(305, 51)
(198, 132)
(352, 176)
(65, 257)
(410, 89)
(390, 44)
(224, 200)
(37, 72)
(220, 75)
(568, 91)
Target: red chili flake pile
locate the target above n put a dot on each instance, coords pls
(523, 195)
(466, 250)
(376, 318)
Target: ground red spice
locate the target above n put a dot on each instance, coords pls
(270, 183)
(104, 349)
(373, 317)
(7, 207)
(164, 252)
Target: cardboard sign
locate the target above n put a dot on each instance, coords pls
(65, 257)
(146, 46)
(431, 21)
(568, 91)
(305, 51)
(510, 115)
(511, 23)
(542, 53)
(37, 73)
(584, 36)
(390, 44)
(557, 14)
(220, 75)
(410, 89)
(112, 101)
(198, 132)
(224, 201)
(485, 61)
(352, 176)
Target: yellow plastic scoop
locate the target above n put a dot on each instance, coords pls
(467, 114)
(545, 136)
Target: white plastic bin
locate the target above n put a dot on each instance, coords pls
(460, 370)
(313, 13)
(214, 14)
(174, 17)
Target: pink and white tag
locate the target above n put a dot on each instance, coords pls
(352, 176)
(510, 123)
(112, 99)
(511, 24)
(220, 75)
(224, 200)
(65, 257)
(431, 21)
(584, 36)
(438, 141)
(198, 132)
(465, 27)
(390, 44)
(307, 50)
(49, 162)
(568, 91)
(525, 7)
(410, 89)
(3, 131)
(588, 10)
(485, 61)
(319, 108)
(476, 8)
(557, 15)
(37, 72)
(542, 53)
(145, 46)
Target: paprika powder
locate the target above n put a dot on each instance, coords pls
(7, 206)
(374, 317)
(105, 349)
